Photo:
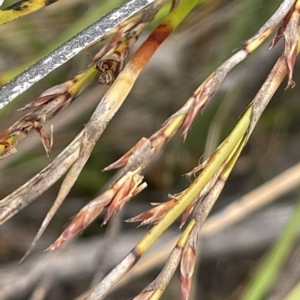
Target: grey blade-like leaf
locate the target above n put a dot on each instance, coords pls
(69, 49)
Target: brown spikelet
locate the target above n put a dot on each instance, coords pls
(187, 264)
(114, 198)
(291, 43)
(154, 214)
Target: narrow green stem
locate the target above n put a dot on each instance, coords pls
(191, 193)
(270, 267)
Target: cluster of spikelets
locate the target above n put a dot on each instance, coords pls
(112, 66)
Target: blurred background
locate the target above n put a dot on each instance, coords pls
(201, 43)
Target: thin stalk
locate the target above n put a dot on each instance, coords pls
(69, 49)
(21, 9)
(238, 136)
(116, 95)
(191, 193)
(270, 267)
(91, 15)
